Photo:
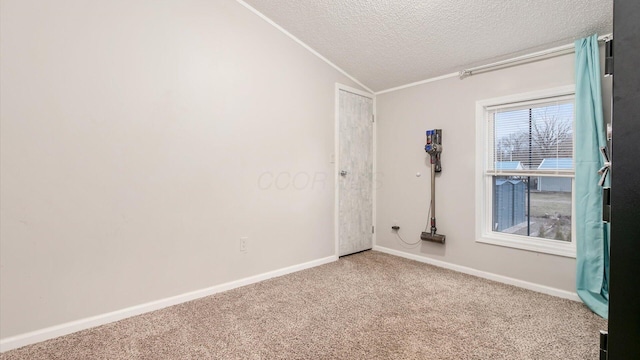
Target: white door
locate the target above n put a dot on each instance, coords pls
(355, 172)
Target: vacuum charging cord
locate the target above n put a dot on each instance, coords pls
(401, 239)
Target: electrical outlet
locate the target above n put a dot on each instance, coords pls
(243, 244)
(395, 226)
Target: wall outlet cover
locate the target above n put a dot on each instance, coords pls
(243, 244)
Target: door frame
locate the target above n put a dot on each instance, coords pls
(624, 295)
(336, 160)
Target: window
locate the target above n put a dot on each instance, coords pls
(524, 182)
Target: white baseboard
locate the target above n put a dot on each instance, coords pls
(33, 337)
(483, 274)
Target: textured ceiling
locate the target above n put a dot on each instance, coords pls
(388, 43)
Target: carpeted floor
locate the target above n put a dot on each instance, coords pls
(366, 306)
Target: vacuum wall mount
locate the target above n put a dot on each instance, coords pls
(434, 149)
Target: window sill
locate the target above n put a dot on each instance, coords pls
(553, 247)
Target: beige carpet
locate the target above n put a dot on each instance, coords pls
(365, 306)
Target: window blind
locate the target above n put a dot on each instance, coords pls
(534, 138)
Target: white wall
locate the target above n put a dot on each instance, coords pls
(133, 138)
(403, 117)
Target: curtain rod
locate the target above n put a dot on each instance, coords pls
(539, 55)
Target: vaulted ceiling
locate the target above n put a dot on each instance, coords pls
(388, 43)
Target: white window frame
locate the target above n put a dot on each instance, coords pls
(484, 231)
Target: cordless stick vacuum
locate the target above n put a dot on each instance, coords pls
(433, 148)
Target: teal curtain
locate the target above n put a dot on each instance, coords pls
(592, 235)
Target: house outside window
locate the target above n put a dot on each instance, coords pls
(525, 171)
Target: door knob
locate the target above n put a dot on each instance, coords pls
(343, 172)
